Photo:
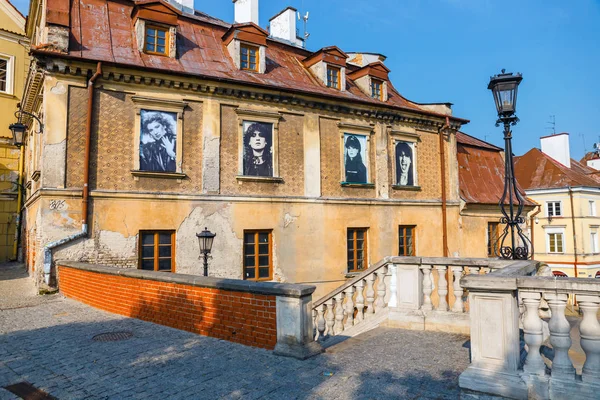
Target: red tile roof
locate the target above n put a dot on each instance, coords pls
(480, 171)
(102, 30)
(536, 170)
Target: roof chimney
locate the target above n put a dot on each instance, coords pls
(557, 147)
(186, 6)
(245, 11)
(283, 26)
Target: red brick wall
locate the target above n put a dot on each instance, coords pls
(235, 316)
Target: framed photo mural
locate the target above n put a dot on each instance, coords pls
(405, 163)
(257, 153)
(355, 158)
(158, 141)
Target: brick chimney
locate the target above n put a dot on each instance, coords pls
(557, 147)
(283, 26)
(245, 11)
(187, 6)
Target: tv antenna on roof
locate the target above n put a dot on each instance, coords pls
(306, 34)
(552, 124)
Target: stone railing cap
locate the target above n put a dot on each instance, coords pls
(564, 285)
(264, 288)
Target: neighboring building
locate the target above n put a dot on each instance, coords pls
(14, 62)
(481, 183)
(567, 227)
(308, 166)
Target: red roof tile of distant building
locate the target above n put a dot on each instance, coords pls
(480, 171)
(536, 170)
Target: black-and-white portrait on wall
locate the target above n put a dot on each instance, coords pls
(158, 141)
(405, 152)
(355, 158)
(258, 148)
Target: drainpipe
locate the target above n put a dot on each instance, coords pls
(574, 237)
(86, 176)
(531, 221)
(443, 171)
(19, 201)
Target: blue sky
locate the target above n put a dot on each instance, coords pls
(446, 51)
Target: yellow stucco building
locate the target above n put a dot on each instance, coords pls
(567, 221)
(14, 63)
(308, 165)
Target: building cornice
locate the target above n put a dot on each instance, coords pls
(563, 190)
(229, 88)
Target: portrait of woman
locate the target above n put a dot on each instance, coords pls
(158, 141)
(258, 150)
(356, 171)
(404, 164)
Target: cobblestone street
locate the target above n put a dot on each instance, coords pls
(48, 342)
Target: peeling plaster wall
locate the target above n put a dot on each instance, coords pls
(309, 213)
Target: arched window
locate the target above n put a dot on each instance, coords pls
(560, 274)
(597, 274)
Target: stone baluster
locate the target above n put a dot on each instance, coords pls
(442, 288)
(590, 337)
(379, 301)
(370, 295)
(329, 317)
(315, 316)
(392, 271)
(560, 336)
(349, 307)
(532, 327)
(458, 290)
(360, 301)
(484, 270)
(339, 314)
(427, 288)
(321, 320)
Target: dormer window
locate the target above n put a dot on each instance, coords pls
(156, 40)
(249, 57)
(333, 77)
(329, 66)
(376, 89)
(247, 46)
(372, 79)
(156, 27)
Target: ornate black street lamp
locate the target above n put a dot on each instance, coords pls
(205, 240)
(18, 129)
(504, 88)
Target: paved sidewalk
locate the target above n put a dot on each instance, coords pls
(48, 343)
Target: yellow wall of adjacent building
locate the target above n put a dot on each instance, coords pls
(13, 47)
(586, 234)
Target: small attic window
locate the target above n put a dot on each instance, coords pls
(156, 40)
(376, 89)
(333, 77)
(249, 57)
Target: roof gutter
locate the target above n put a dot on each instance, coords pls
(443, 172)
(86, 177)
(531, 221)
(574, 235)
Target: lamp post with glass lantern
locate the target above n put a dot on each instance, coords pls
(504, 88)
(205, 241)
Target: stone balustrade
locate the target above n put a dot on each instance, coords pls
(505, 302)
(408, 292)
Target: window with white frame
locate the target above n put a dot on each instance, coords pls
(594, 241)
(592, 204)
(6, 74)
(553, 209)
(555, 240)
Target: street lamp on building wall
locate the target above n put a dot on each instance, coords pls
(18, 129)
(512, 243)
(205, 240)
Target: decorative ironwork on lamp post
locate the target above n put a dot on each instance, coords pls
(205, 240)
(18, 129)
(512, 243)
